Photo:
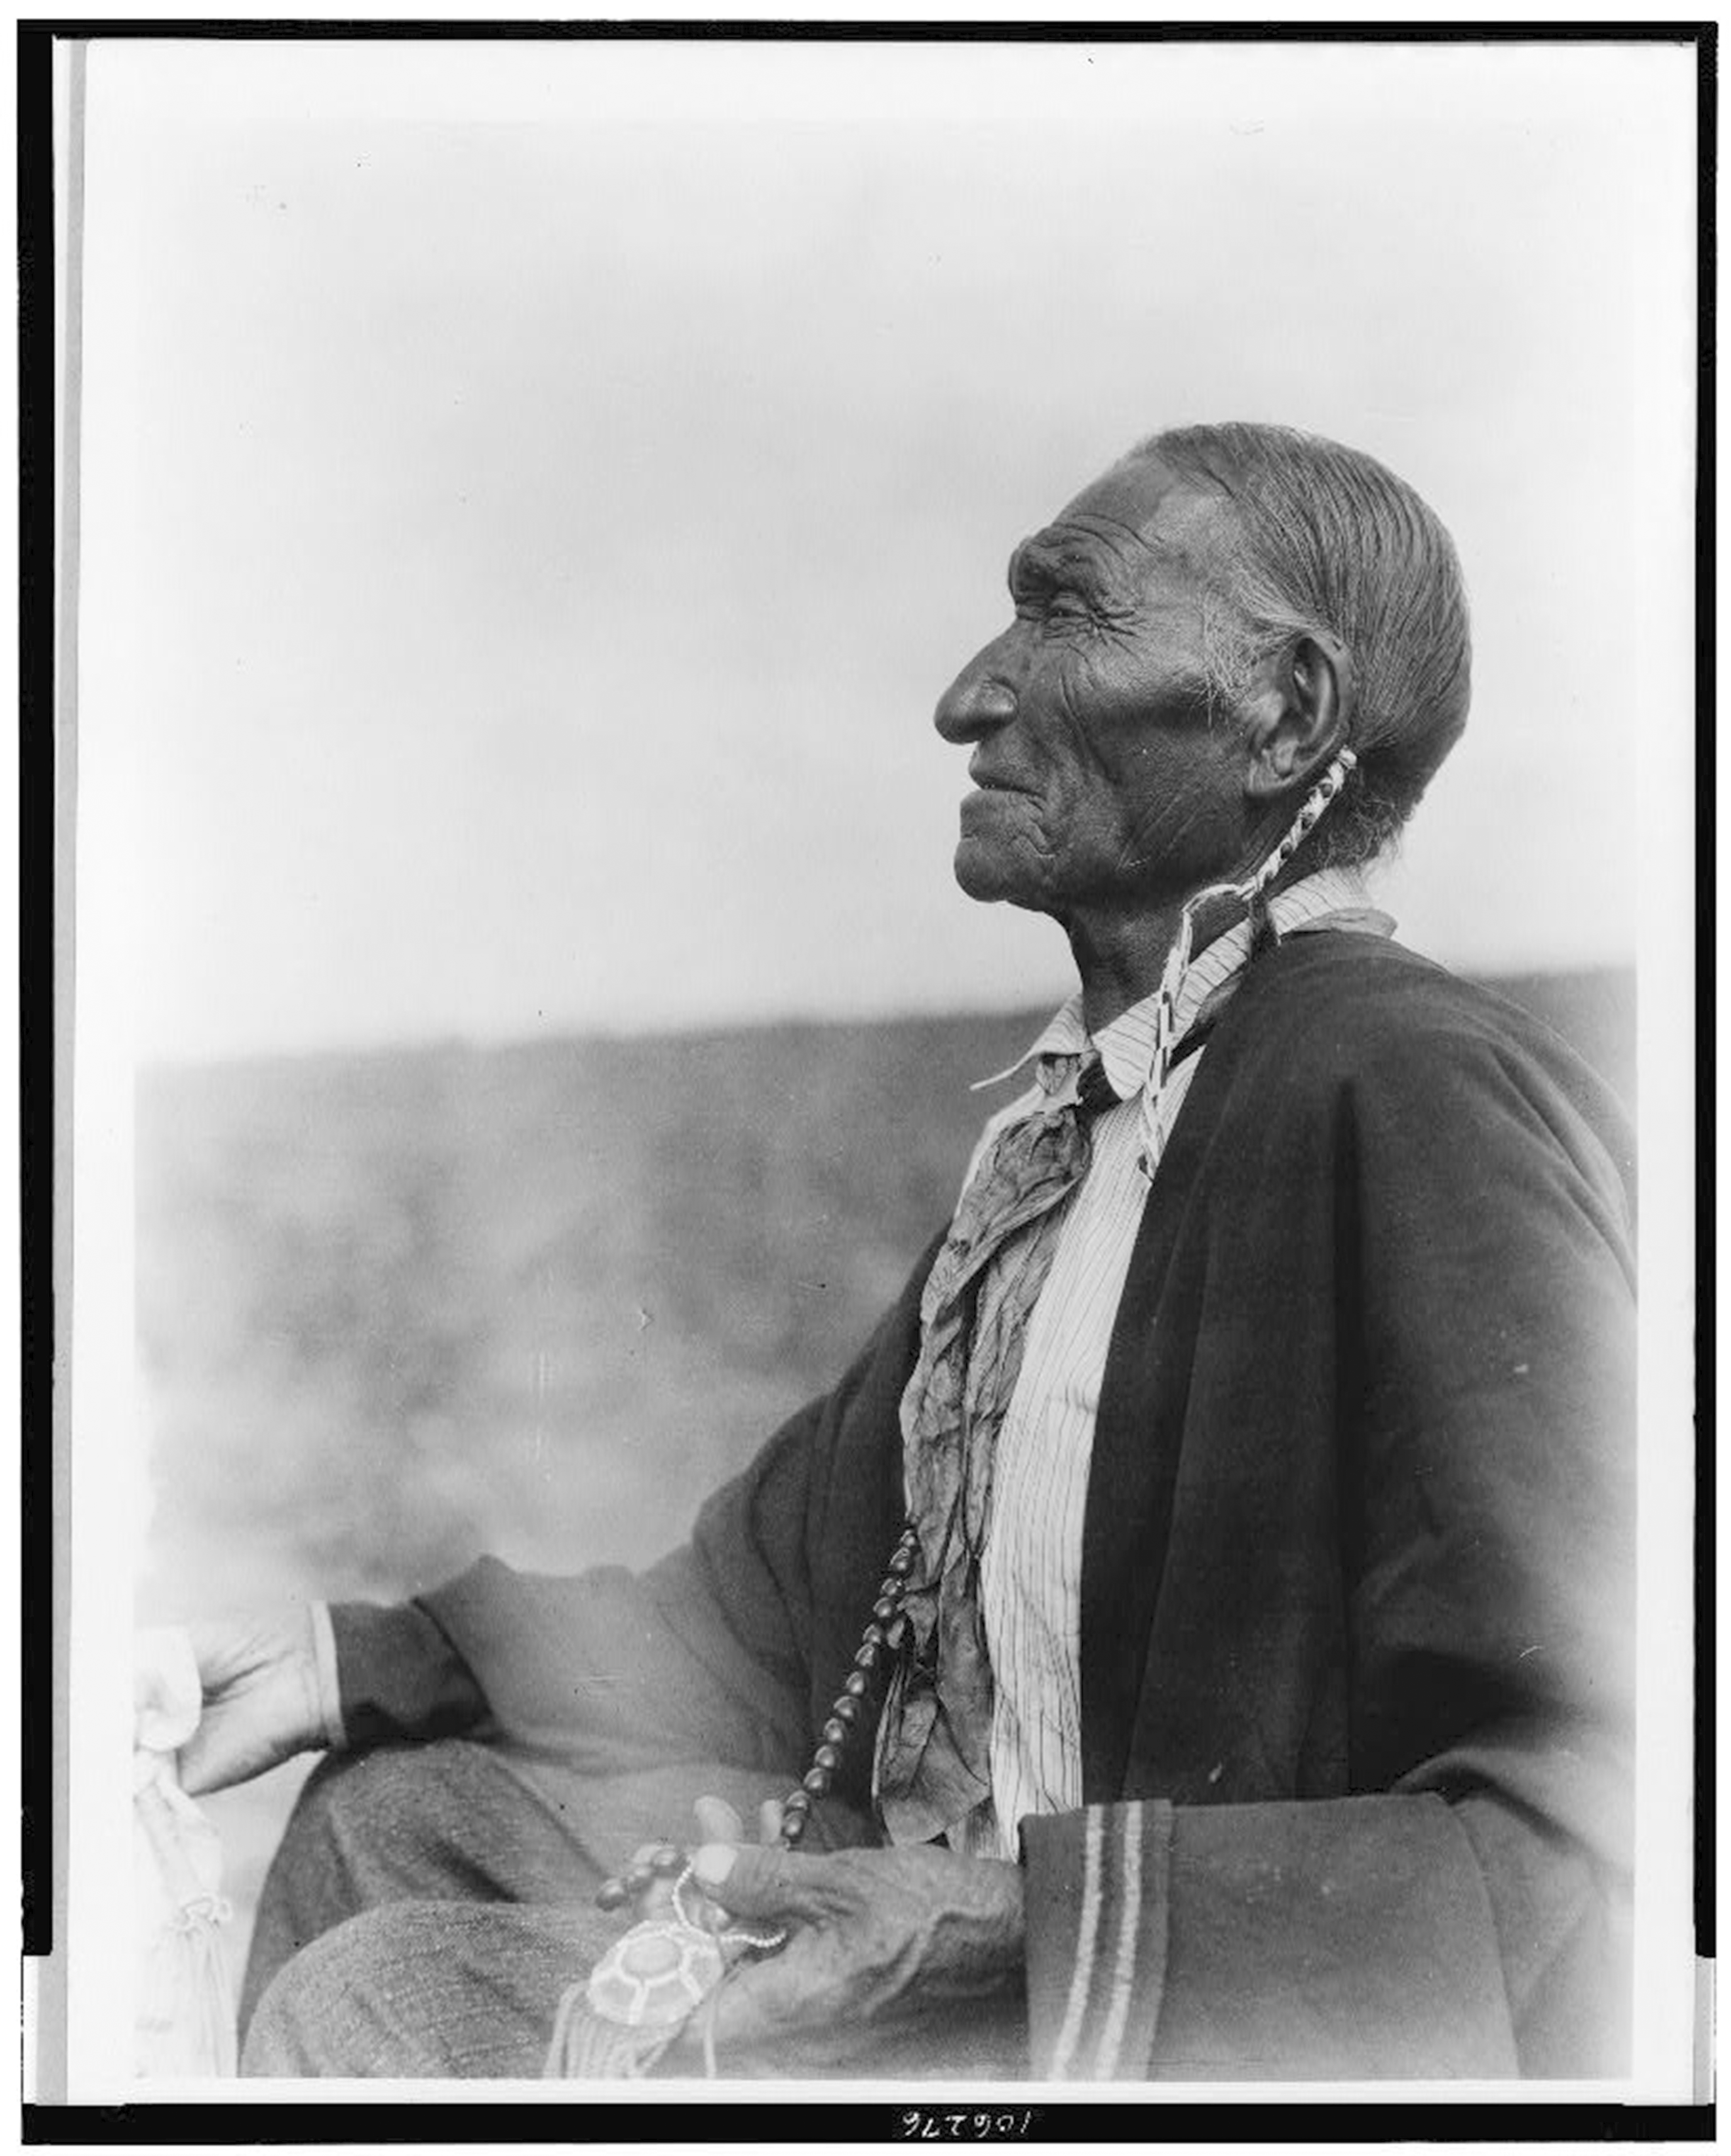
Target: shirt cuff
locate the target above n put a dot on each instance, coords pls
(398, 1678)
(323, 1663)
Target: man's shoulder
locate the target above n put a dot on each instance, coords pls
(1327, 1008)
(1370, 986)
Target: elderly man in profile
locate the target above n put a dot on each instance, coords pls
(1194, 1639)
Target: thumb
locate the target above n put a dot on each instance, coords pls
(756, 1883)
(207, 1762)
(717, 1820)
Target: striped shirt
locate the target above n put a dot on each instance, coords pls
(1030, 1575)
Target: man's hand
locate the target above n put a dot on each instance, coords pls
(647, 1884)
(259, 1677)
(874, 1937)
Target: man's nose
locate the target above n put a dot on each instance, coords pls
(982, 696)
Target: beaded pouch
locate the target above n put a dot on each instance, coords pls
(644, 1990)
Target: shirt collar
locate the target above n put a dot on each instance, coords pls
(1333, 898)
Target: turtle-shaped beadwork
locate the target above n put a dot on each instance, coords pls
(659, 1973)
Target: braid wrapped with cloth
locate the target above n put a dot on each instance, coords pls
(1253, 892)
(932, 1765)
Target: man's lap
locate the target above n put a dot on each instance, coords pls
(464, 1991)
(430, 1903)
(455, 1989)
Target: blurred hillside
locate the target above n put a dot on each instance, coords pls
(396, 1309)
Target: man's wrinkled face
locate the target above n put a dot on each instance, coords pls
(1103, 782)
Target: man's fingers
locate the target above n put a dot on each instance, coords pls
(717, 1820)
(198, 1773)
(713, 1863)
(758, 1882)
(223, 1749)
(770, 1819)
(217, 1650)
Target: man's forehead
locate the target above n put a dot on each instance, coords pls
(1140, 518)
(1145, 496)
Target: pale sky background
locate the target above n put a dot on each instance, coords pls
(535, 495)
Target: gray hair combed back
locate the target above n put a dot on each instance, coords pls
(1325, 538)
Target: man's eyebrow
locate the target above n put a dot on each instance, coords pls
(1050, 556)
(1055, 556)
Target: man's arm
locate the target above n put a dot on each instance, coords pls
(700, 1657)
(611, 1669)
(707, 1655)
(704, 1657)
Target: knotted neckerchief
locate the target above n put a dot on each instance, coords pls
(932, 1747)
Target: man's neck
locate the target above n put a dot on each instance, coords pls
(1117, 970)
(1121, 963)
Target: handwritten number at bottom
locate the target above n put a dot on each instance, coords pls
(924, 2125)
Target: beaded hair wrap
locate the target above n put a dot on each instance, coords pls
(1253, 892)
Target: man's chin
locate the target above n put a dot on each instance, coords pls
(985, 874)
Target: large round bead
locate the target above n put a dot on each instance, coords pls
(654, 1976)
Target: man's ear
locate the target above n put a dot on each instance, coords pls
(1299, 714)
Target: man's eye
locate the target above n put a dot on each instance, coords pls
(1065, 606)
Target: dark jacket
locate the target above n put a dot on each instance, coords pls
(1357, 1618)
